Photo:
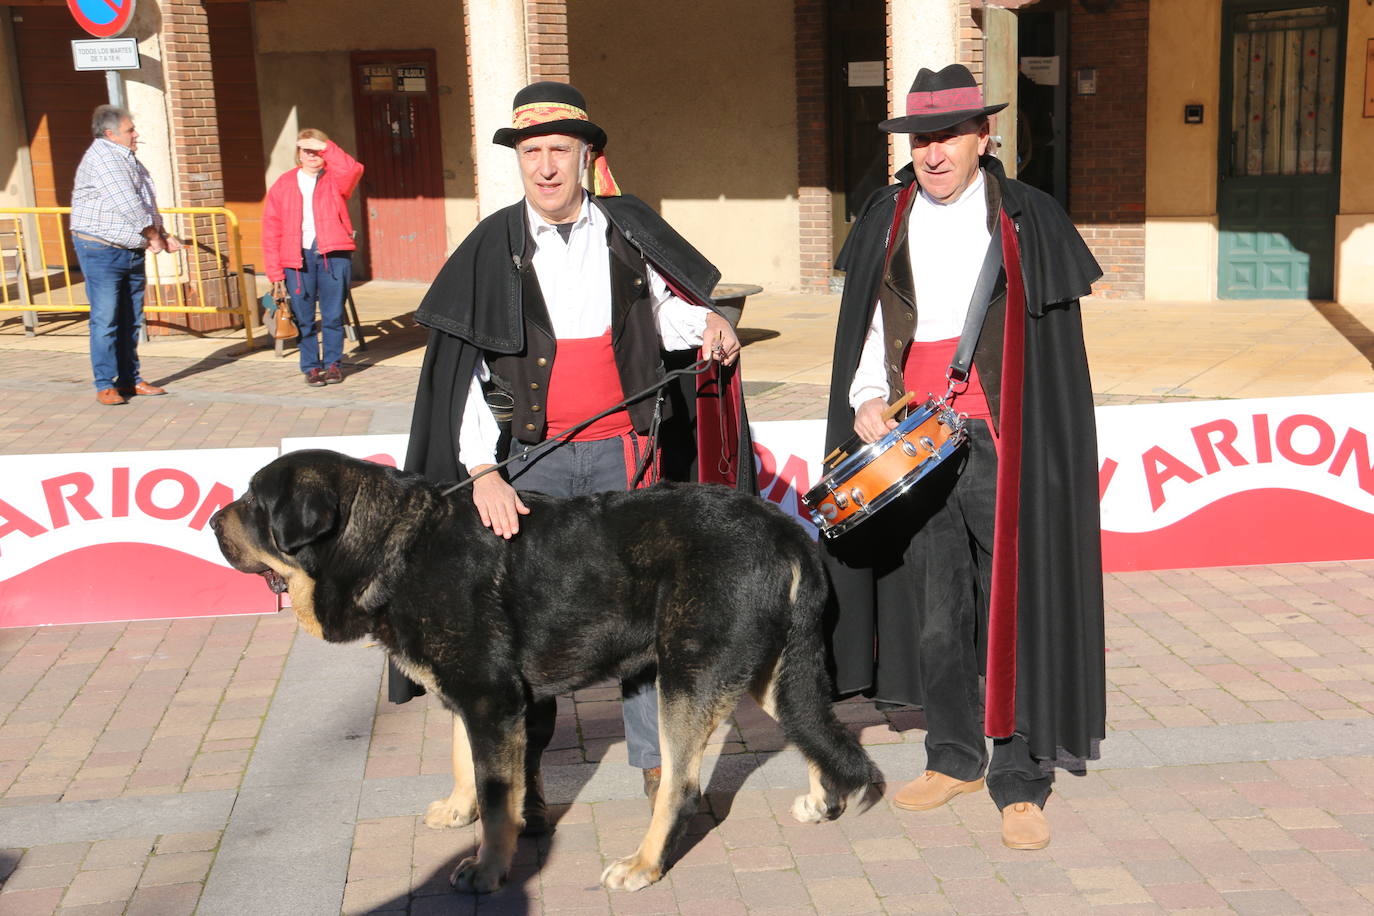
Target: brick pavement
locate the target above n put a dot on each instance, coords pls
(224, 765)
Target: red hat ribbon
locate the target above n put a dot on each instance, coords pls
(941, 101)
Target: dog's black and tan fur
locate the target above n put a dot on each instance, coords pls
(718, 588)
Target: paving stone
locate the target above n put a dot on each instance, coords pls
(166, 900)
(176, 868)
(104, 885)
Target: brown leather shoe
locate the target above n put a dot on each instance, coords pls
(144, 389)
(652, 777)
(109, 397)
(932, 790)
(1024, 826)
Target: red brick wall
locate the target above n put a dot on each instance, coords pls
(546, 40)
(1107, 142)
(813, 147)
(191, 94)
(970, 41)
(196, 156)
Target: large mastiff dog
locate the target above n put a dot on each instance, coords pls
(719, 589)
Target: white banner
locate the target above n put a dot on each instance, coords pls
(1221, 483)
(124, 535)
(121, 536)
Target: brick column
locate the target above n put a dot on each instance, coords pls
(1107, 142)
(815, 230)
(193, 135)
(546, 40)
(191, 102)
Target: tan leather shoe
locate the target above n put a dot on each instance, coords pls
(1024, 826)
(148, 390)
(932, 790)
(109, 397)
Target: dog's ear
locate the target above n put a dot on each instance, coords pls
(303, 515)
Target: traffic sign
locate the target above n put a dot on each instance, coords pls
(105, 53)
(102, 18)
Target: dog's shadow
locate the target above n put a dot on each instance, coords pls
(581, 842)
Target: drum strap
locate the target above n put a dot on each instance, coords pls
(977, 310)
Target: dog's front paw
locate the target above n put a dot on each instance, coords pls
(472, 877)
(447, 813)
(630, 874)
(808, 810)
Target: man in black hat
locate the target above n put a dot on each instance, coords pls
(991, 564)
(552, 310)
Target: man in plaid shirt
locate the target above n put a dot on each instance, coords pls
(114, 221)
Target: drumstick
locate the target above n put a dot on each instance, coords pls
(887, 415)
(901, 402)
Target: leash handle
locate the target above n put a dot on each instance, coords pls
(695, 368)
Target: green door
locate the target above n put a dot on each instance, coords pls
(1279, 176)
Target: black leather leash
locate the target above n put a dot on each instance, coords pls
(548, 445)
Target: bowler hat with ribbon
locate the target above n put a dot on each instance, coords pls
(549, 108)
(938, 101)
(556, 108)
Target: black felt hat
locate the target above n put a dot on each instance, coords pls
(549, 108)
(940, 100)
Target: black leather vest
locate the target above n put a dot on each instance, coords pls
(634, 341)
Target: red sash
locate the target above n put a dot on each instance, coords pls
(924, 368)
(585, 381)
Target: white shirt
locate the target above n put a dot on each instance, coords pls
(306, 182)
(946, 244)
(575, 280)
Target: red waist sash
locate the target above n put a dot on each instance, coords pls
(584, 381)
(924, 366)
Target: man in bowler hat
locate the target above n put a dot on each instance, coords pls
(552, 310)
(990, 566)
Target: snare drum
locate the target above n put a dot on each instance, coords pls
(861, 477)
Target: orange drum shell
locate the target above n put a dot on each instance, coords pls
(884, 471)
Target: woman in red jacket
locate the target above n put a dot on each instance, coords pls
(307, 248)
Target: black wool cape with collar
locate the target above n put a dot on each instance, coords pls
(1060, 670)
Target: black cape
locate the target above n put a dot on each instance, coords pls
(1061, 678)
(474, 306)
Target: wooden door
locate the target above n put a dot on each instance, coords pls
(1279, 176)
(856, 84)
(240, 126)
(396, 104)
(58, 102)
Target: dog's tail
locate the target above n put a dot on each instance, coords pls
(803, 693)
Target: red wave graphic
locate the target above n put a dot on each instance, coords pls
(128, 581)
(1252, 528)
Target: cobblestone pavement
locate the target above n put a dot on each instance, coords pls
(233, 765)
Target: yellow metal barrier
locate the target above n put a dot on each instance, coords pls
(206, 277)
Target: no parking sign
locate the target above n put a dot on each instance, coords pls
(102, 18)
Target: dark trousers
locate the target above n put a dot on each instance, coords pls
(579, 469)
(948, 565)
(114, 285)
(323, 279)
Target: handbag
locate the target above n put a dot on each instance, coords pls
(284, 323)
